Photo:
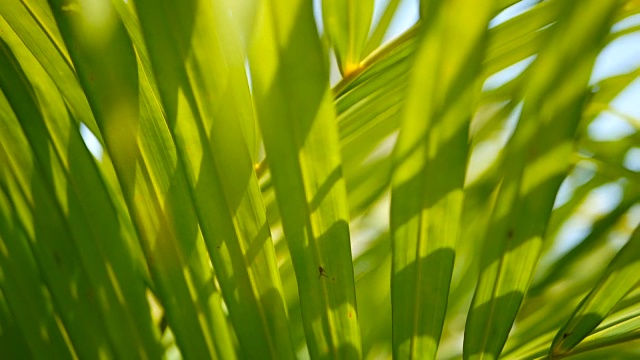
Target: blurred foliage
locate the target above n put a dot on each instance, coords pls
(181, 179)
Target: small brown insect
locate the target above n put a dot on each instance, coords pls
(321, 272)
(510, 234)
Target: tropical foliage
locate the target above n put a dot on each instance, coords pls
(237, 205)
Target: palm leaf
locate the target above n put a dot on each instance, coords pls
(428, 206)
(301, 142)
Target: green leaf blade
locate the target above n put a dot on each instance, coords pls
(430, 162)
(154, 190)
(622, 274)
(538, 158)
(208, 121)
(290, 82)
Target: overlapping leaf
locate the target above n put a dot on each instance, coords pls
(429, 169)
(293, 103)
